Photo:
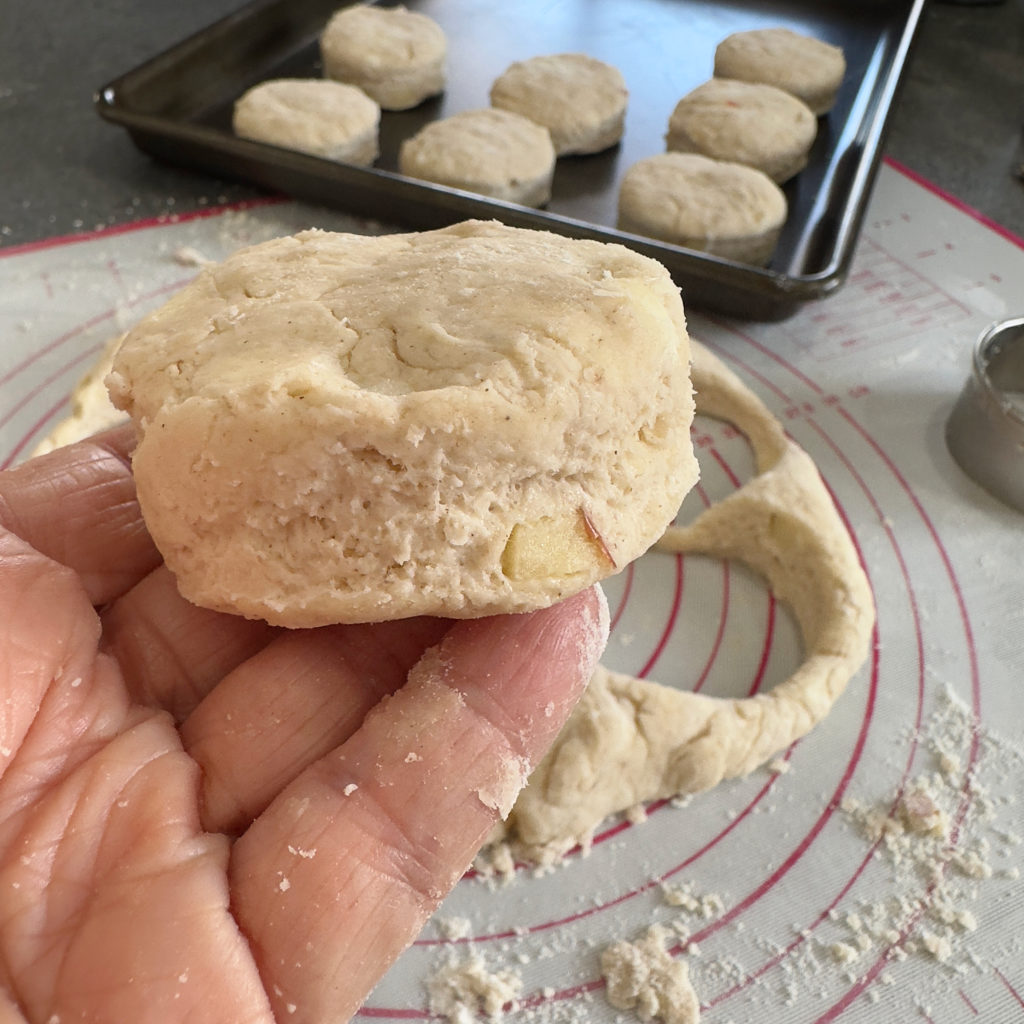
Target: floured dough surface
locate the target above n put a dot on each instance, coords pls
(580, 100)
(633, 740)
(714, 206)
(744, 122)
(394, 55)
(458, 422)
(809, 68)
(316, 116)
(492, 152)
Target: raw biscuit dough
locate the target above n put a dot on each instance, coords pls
(457, 422)
(809, 68)
(395, 56)
(745, 122)
(318, 116)
(714, 206)
(492, 152)
(579, 99)
(632, 740)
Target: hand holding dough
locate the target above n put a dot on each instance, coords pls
(348, 428)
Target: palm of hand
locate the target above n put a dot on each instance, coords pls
(205, 819)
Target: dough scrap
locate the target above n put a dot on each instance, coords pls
(644, 976)
(345, 428)
(632, 740)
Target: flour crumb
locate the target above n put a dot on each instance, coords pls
(778, 766)
(644, 976)
(938, 946)
(920, 813)
(454, 928)
(843, 952)
(188, 256)
(636, 815)
(350, 789)
(463, 990)
(686, 898)
(496, 863)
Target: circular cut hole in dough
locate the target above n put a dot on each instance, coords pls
(633, 740)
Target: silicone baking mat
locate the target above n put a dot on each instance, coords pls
(795, 894)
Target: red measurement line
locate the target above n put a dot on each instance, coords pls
(1009, 988)
(970, 1005)
(163, 220)
(666, 633)
(716, 644)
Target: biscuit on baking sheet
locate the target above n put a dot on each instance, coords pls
(809, 68)
(492, 152)
(745, 122)
(313, 115)
(472, 420)
(395, 56)
(579, 99)
(722, 208)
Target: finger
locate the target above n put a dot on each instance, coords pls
(172, 652)
(77, 505)
(299, 698)
(115, 903)
(339, 874)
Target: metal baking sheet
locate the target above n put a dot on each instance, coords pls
(177, 107)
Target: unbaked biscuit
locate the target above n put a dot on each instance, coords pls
(579, 99)
(745, 122)
(328, 119)
(722, 208)
(459, 422)
(809, 68)
(394, 55)
(491, 152)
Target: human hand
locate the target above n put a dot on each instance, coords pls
(206, 819)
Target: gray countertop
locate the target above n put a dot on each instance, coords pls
(958, 120)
